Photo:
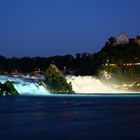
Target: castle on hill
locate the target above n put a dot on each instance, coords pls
(124, 39)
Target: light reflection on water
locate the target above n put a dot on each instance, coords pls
(70, 117)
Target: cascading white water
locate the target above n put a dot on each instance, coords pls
(30, 89)
(89, 84)
(25, 86)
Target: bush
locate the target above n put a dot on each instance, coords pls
(122, 74)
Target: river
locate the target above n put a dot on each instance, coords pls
(106, 117)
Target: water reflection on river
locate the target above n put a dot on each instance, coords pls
(87, 117)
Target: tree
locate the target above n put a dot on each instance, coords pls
(112, 40)
(78, 56)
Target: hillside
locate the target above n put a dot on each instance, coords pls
(80, 64)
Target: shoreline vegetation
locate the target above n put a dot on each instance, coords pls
(116, 64)
(121, 77)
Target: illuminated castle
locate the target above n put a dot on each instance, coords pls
(124, 39)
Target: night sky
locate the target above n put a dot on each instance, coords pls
(59, 27)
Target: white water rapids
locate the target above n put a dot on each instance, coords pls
(27, 85)
(89, 84)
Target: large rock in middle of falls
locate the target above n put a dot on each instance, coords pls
(56, 82)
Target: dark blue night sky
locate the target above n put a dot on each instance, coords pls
(58, 27)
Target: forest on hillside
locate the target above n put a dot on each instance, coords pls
(80, 64)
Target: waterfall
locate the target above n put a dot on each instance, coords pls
(25, 86)
(89, 84)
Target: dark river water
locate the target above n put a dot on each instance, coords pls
(70, 118)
